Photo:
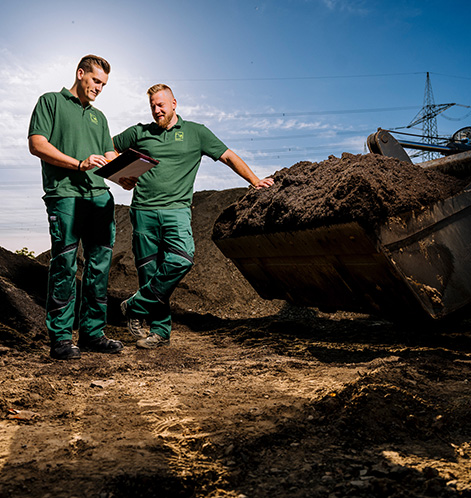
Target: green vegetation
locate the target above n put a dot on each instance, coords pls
(25, 252)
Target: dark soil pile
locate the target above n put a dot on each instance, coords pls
(365, 188)
(23, 283)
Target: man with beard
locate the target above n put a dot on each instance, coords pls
(72, 138)
(161, 208)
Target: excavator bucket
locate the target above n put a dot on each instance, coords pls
(414, 264)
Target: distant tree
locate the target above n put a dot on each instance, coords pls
(25, 252)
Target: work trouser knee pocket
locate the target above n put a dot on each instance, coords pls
(179, 259)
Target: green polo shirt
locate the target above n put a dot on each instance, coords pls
(76, 131)
(169, 184)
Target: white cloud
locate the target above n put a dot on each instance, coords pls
(351, 6)
(21, 85)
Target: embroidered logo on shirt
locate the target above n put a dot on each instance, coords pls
(179, 136)
(93, 119)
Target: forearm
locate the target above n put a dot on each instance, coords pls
(40, 147)
(239, 166)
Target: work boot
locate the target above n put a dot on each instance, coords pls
(152, 341)
(64, 350)
(135, 327)
(101, 345)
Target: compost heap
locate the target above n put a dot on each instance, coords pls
(364, 188)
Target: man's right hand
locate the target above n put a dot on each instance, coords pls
(93, 161)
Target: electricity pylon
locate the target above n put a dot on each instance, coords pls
(429, 124)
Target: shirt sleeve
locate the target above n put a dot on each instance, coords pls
(126, 139)
(42, 119)
(211, 146)
(107, 141)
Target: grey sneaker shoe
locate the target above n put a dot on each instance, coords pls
(134, 324)
(152, 341)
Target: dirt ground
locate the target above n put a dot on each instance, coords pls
(297, 404)
(252, 398)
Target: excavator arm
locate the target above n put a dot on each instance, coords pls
(457, 160)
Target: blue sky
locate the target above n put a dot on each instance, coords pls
(277, 81)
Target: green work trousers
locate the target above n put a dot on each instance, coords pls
(71, 220)
(163, 249)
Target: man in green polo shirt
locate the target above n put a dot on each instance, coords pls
(72, 138)
(161, 208)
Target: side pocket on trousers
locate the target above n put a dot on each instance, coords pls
(55, 228)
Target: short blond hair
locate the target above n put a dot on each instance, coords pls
(160, 87)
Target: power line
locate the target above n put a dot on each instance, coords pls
(452, 76)
(289, 137)
(288, 78)
(311, 113)
(297, 149)
(279, 153)
(334, 112)
(300, 78)
(462, 117)
(283, 156)
(415, 134)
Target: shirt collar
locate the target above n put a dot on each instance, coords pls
(68, 95)
(178, 124)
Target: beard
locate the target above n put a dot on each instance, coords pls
(163, 123)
